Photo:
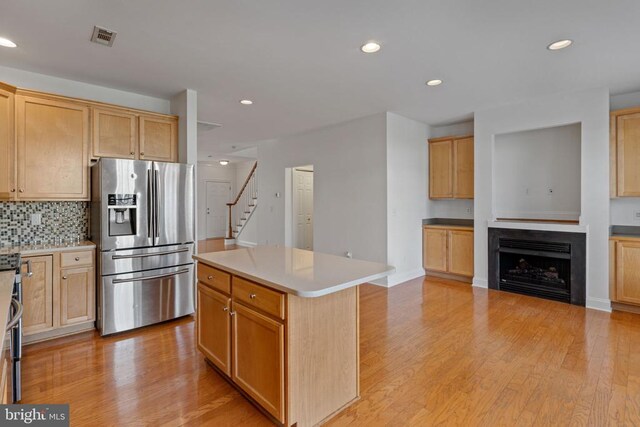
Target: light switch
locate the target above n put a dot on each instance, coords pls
(36, 219)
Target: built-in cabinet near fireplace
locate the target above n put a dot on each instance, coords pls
(545, 264)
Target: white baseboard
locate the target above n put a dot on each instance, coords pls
(246, 243)
(599, 304)
(480, 283)
(229, 242)
(405, 276)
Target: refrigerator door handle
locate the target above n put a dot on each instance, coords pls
(155, 199)
(177, 251)
(155, 276)
(150, 203)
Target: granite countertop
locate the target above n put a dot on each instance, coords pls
(46, 248)
(448, 222)
(296, 271)
(6, 293)
(632, 231)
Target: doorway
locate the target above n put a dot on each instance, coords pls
(217, 195)
(302, 207)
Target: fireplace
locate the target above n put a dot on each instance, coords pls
(544, 264)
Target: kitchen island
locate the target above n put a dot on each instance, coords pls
(281, 324)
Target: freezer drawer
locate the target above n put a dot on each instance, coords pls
(128, 301)
(130, 260)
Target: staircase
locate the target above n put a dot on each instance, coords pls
(241, 209)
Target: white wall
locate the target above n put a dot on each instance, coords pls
(450, 208)
(214, 172)
(528, 164)
(406, 192)
(58, 86)
(591, 109)
(623, 208)
(350, 187)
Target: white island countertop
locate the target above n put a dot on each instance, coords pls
(296, 271)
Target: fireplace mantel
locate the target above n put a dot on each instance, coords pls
(539, 226)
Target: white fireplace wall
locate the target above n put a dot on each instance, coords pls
(591, 109)
(537, 174)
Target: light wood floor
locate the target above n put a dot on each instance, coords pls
(432, 352)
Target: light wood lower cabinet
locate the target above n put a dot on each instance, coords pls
(258, 358)
(625, 260)
(58, 301)
(448, 250)
(37, 295)
(214, 327)
(296, 358)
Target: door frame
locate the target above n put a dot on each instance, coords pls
(218, 181)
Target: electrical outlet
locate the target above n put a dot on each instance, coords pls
(637, 215)
(469, 210)
(36, 219)
(348, 254)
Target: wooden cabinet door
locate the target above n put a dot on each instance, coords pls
(628, 151)
(628, 272)
(7, 143)
(461, 252)
(115, 134)
(77, 295)
(441, 169)
(258, 358)
(158, 139)
(52, 142)
(214, 327)
(434, 243)
(463, 168)
(37, 295)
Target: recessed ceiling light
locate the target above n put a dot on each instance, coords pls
(371, 47)
(7, 43)
(246, 102)
(434, 82)
(224, 162)
(560, 44)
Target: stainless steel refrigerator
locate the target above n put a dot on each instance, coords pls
(142, 220)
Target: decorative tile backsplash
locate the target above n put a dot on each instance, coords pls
(60, 222)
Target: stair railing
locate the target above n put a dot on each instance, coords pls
(245, 200)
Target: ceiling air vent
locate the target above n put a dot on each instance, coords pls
(103, 36)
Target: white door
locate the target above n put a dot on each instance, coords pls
(217, 195)
(303, 209)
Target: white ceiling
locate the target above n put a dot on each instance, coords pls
(299, 60)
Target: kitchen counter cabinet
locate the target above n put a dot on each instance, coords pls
(294, 335)
(448, 251)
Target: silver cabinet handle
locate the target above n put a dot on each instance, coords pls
(252, 296)
(64, 277)
(13, 190)
(177, 251)
(133, 152)
(210, 277)
(225, 309)
(17, 314)
(77, 258)
(232, 313)
(29, 271)
(155, 276)
(21, 190)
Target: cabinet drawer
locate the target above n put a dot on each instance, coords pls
(254, 295)
(75, 259)
(216, 279)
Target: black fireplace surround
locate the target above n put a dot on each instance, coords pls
(545, 264)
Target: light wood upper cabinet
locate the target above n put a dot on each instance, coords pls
(625, 149)
(434, 243)
(158, 138)
(37, 295)
(627, 277)
(115, 133)
(441, 169)
(463, 168)
(52, 145)
(451, 168)
(7, 142)
(460, 254)
(258, 358)
(214, 326)
(77, 299)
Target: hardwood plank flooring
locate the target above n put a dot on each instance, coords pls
(433, 352)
